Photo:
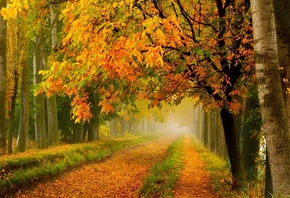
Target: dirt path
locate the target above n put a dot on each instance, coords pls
(193, 181)
(119, 176)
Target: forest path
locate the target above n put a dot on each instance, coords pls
(193, 181)
(119, 176)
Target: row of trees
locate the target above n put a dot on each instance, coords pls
(30, 35)
(108, 54)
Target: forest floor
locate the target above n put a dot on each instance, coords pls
(193, 181)
(122, 175)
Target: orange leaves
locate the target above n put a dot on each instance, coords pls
(106, 107)
(235, 106)
(119, 48)
(80, 109)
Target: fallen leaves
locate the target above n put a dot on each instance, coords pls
(193, 180)
(119, 176)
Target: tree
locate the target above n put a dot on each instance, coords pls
(52, 120)
(281, 10)
(3, 76)
(163, 51)
(24, 93)
(274, 117)
(13, 77)
(39, 102)
(93, 127)
(251, 134)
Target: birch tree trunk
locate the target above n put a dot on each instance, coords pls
(52, 119)
(3, 74)
(113, 128)
(39, 113)
(273, 111)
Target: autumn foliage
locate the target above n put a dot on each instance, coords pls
(160, 50)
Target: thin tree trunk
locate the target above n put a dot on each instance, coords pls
(206, 131)
(39, 113)
(78, 133)
(52, 119)
(250, 137)
(24, 108)
(213, 132)
(271, 99)
(268, 179)
(3, 77)
(113, 128)
(11, 114)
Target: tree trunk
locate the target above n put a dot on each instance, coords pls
(93, 131)
(113, 128)
(24, 108)
(250, 137)
(206, 132)
(3, 75)
(222, 148)
(11, 113)
(39, 112)
(234, 151)
(213, 132)
(52, 119)
(282, 15)
(273, 112)
(123, 126)
(200, 129)
(268, 179)
(78, 133)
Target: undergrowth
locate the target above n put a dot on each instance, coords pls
(163, 175)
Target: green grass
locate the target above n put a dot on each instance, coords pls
(219, 171)
(24, 168)
(163, 175)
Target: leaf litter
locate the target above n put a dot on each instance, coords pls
(119, 176)
(122, 175)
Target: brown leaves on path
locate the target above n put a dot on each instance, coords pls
(193, 180)
(119, 176)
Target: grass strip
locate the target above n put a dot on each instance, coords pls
(218, 170)
(163, 176)
(25, 168)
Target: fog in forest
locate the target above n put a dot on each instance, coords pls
(179, 118)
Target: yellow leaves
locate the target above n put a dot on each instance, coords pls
(80, 109)
(154, 57)
(13, 8)
(160, 37)
(106, 107)
(8, 13)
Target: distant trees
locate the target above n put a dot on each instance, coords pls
(51, 103)
(19, 19)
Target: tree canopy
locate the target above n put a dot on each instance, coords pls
(161, 50)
